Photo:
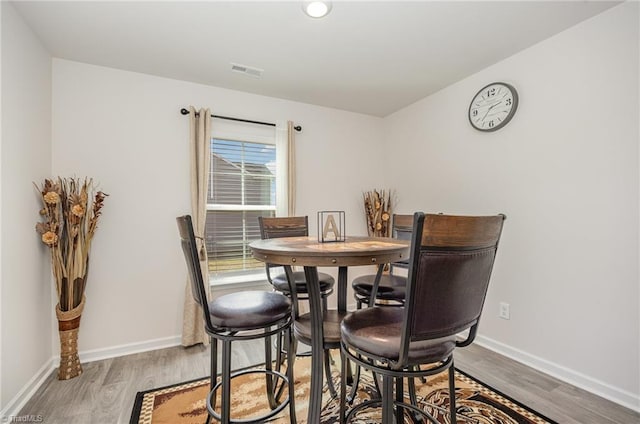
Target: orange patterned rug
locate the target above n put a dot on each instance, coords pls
(184, 403)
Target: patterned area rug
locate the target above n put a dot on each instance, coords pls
(184, 403)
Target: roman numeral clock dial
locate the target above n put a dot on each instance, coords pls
(493, 107)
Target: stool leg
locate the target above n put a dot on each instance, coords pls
(354, 385)
(452, 393)
(387, 399)
(279, 390)
(355, 381)
(225, 412)
(279, 354)
(343, 386)
(291, 358)
(399, 400)
(213, 366)
(282, 349)
(411, 383)
(349, 375)
(376, 382)
(268, 366)
(327, 371)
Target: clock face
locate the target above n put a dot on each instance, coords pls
(493, 107)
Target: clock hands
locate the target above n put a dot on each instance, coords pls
(491, 107)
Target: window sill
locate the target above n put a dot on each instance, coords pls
(238, 280)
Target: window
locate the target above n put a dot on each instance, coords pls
(243, 182)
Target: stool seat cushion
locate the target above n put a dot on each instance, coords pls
(377, 332)
(391, 287)
(248, 310)
(280, 282)
(331, 320)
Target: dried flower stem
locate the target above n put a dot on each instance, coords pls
(377, 208)
(68, 229)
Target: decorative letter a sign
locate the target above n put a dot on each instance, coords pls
(330, 229)
(330, 226)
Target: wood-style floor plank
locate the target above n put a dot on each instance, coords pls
(105, 392)
(549, 396)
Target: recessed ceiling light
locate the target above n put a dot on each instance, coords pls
(316, 9)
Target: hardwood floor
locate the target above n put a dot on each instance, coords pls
(105, 392)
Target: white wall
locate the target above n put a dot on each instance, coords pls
(565, 172)
(26, 285)
(124, 129)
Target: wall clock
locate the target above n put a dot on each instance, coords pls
(493, 107)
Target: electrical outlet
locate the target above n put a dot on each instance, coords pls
(504, 311)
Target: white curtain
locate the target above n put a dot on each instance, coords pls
(199, 145)
(285, 152)
(291, 169)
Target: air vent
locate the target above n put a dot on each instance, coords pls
(247, 70)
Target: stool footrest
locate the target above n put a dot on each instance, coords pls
(378, 403)
(261, 418)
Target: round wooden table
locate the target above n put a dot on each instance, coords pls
(309, 253)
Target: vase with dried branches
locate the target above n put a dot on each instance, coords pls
(70, 216)
(377, 208)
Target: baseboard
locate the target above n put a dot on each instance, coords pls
(125, 349)
(12, 409)
(590, 384)
(22, 397)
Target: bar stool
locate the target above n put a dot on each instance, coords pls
(451, 262)
(296, 226)
(240, 316)
(385, 289)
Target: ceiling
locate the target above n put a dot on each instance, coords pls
(372, 57)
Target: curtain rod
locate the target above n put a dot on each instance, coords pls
(186, 112)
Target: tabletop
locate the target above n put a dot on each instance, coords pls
(308, 251)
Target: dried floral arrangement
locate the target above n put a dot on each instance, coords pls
(377, 207)
(70, 212)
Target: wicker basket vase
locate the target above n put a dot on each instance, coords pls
(68, 327)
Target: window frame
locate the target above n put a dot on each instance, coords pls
(251, 133)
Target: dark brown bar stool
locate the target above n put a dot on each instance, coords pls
(384, 289)
(388, 288)
(451, 262)
(240, 316)
(296, 226)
